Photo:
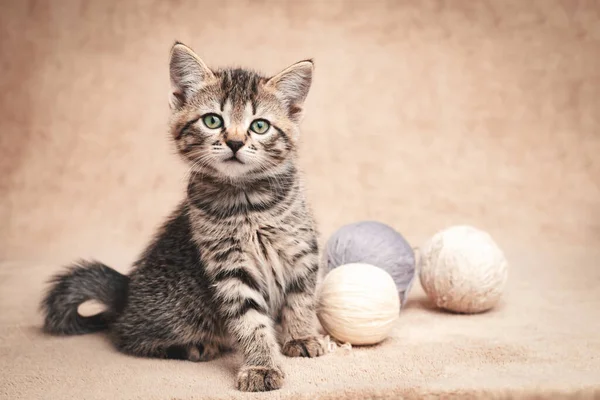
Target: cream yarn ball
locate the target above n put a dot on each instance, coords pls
(462, 269)
(358, 304)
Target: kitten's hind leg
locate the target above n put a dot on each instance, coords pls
(203, 352)
(192, 352)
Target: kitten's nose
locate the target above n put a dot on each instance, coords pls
(234, 145)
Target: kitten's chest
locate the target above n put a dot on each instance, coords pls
(267, 251)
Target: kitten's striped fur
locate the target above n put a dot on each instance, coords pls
(237, 257)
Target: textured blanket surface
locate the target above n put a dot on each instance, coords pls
(541, 341)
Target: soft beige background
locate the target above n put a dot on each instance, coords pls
(422, 115)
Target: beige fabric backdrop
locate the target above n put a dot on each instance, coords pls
(422, 115)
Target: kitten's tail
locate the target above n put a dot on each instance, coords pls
(84, 280)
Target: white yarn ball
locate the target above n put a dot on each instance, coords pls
(463, 270)
(358, 304)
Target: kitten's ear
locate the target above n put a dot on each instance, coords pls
(292, 85)
(188, 74)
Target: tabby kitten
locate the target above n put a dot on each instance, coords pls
(238, 257)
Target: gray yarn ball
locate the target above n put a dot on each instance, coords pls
(376, 244)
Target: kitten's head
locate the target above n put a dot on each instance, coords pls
(234, 123)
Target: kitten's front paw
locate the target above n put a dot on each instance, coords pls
(259, 379)
(312, 346)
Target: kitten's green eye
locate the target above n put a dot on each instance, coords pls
(260, 126)
(212, 121)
